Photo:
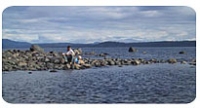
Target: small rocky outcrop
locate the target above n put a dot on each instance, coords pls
(103, 54)
(36, 59)
(131, 49)
(172, 60)
(183, 62)
(182, 52)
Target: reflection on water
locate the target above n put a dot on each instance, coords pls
(155, 83)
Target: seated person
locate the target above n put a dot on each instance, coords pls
(79, 60)
(69, 55)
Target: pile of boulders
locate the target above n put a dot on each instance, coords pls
(33, 59)
(36, 59)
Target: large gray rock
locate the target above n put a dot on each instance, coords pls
(172, 60)
(57, 61)
(78, 51)
(22, 64)
(68, 66)
(110, 62)
(77, 66)
(103, 63)
(117, 63)
(50, 65)
(136, 62)
(87, 65)
(55, 54)
(36, 48)
(97, 64)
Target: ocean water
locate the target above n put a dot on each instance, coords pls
(152, 83)
(142, 52)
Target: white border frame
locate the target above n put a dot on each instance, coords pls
(190, 3)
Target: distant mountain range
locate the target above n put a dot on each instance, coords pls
(6, 43)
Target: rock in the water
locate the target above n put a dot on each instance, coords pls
(136, 62)
(194, 60)
(36, 48)
(172, 60)
(182, 52)
(87, 65)
(68, 66)
(77, 66)
(193, 63)
(131, 49)
(183, 62)
(103, 54)
(118, 63)
(97, 64)
(53, 70)
(110, 62)
(147, 62)
(29, 72)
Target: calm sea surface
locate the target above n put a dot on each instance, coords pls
(153, 83)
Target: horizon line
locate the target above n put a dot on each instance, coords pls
(103, 42)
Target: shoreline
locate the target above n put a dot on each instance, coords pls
(36, 59)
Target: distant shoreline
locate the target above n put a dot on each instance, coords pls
(14, 44)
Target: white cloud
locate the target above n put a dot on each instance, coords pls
(151, 13)
(182, 34)
(21, 37)
(93, 24)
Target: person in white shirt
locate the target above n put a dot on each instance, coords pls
(69, 55)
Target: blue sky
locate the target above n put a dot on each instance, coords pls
(98, 24)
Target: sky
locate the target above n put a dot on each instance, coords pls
(67, 24)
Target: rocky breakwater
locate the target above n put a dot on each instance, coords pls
(36, 59)
(33, 59)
